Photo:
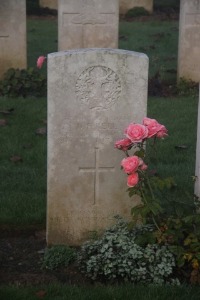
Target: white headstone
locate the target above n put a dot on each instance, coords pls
(12, 35)
(126, 5)
(189, 40)
(197, 171)
(93, 94)
(88, 24)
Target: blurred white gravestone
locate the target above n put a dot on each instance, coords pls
(126, 5)
(93, 94)
(88, 24)
(12, 35)
(189, 40)
(197, 171)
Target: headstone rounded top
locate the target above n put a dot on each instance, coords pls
(97, 50)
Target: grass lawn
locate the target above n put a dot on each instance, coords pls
(128, 292)
(158, 41)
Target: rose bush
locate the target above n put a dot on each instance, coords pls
(179, 232)
(139, 179)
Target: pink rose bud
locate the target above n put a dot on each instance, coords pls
(132, 179)
(136, 132)
(142, 165)
(149, 122)
(162, 132)
(130, 164)
(40, 61)
(124, 144)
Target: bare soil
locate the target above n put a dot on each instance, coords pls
(21, 259)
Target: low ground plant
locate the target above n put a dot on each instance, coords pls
(136, 12)
(116, 256)
(23, 83)
(58, 256)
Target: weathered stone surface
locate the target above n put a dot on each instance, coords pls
(88, 24)
(93, 94)
(189, 40)
(197, 171)
(52, 4)
(125, 5)
(12, 35)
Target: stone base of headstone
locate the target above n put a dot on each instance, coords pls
(12, 35)
(197, 170)
(126, 5)
(93, 94)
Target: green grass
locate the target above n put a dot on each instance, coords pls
(61, 292)
(41, 39)
(23, 184)
(158, 40)
(179, 115)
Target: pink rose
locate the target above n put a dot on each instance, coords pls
(136, 132)
(154, 128)
(124, 144)
(40, 61)
(132, 179)
(130, 164)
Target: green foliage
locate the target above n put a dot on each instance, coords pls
(137, 12)
(23, 83)
(182, 235)
(58, 256)
(32, 7)
(117, 256)
(187, 87)
(165, 5)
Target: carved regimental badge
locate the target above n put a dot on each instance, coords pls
(98, 87)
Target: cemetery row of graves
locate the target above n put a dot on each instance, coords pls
(97, 94)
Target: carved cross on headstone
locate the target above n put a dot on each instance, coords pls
(4, 35)
(84, 16)
(96, 170)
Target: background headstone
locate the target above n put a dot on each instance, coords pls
(12, 35)
(189, 40)
(52, 4)
(125, 5)
(88, 24)
(93, 94)
(197, 171)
